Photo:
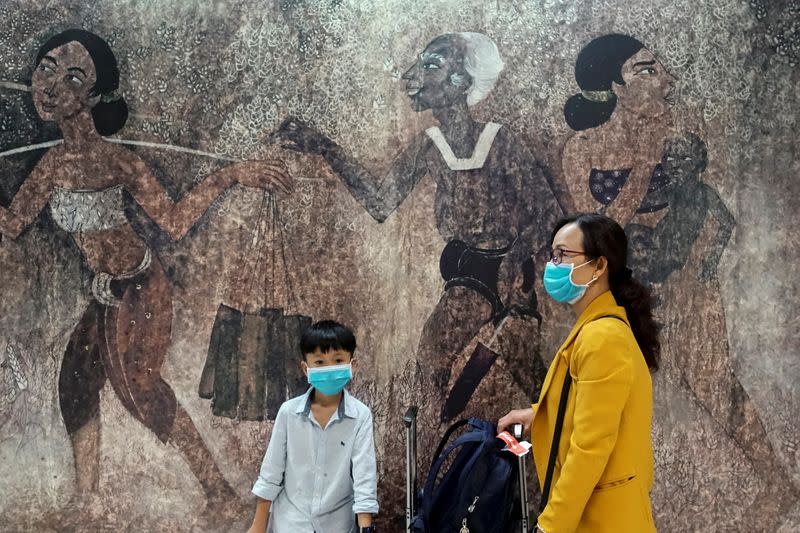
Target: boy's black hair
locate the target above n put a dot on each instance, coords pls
(327, 335)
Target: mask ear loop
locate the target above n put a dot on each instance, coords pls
(574, 268)
(594, 274)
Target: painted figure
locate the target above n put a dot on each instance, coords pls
(626, 160)
(493, 204)
(621, 119)
(125, 331)
(658, 251)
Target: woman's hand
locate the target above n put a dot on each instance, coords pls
(517, 416)
(267, 175)
(294, 134)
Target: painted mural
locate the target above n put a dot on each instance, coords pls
(185, 186)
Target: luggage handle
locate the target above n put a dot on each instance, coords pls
(410, 422)
(523, 484)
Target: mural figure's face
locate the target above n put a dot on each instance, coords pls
(648, 85)
(438, 78)
(683, 159)
(62, 81)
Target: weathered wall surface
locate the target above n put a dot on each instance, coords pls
(354, 78)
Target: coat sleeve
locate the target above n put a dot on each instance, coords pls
(602, 371)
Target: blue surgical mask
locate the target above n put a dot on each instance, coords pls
(559, 285)
(330, 380)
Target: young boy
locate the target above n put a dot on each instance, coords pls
(319, 473)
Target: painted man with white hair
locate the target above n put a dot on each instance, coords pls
(493, 206)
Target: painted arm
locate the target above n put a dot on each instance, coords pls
(380, 197)
(33, 195)
(726, 224)
(576, 166)
(537, 212)
(624, 206)
(176, 218)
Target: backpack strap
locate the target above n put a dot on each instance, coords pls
(447, 434)
(551, 462)
(562, 408)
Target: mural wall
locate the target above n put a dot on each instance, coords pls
(185, 186)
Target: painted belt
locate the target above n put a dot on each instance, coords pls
(101, 283)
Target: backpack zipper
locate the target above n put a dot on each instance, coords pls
(470, 509)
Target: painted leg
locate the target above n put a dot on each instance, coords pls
(86, 451)
(139, 334)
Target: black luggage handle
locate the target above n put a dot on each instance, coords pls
(410, 417)
(523, 484)
(410, 422)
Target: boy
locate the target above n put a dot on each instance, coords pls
(319, 470)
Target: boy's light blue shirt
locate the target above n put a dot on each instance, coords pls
(318, 479)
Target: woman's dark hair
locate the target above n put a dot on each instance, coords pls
(111, 112)
(599, 63)
(603, 237)
(327, 335)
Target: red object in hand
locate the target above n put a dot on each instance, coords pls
(512, 444)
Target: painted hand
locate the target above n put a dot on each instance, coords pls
(510, 286)
(294, 134)
(267, 175)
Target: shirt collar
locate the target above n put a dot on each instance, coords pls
(346, 407)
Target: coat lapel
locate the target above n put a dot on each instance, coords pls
(604, 304)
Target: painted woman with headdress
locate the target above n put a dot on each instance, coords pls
(626, 160)
(124, 333)
(621, 119)
(493, 205)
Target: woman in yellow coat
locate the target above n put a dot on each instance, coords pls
(603, 464)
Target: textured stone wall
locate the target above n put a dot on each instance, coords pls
(221, 78)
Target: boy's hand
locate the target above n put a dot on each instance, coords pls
(364, 521)
(261, 518)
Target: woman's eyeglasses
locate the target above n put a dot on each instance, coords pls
(557, 255)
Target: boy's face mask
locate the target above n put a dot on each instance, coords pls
(330, 380)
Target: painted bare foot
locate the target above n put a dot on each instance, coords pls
(83, 512)
(224, 512)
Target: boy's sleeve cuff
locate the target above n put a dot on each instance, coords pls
(367, 506)
(266, 491)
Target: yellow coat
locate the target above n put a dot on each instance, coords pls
(604, 469)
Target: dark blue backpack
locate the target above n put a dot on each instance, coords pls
(477, 492)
